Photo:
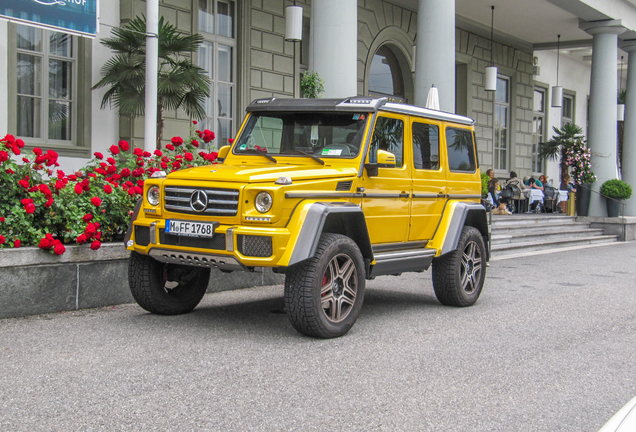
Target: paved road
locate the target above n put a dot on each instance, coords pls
(550, 346)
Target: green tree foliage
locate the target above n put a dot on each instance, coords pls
(180, 83)
(311, 85)
(564, 140)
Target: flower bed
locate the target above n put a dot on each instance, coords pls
(43, 206)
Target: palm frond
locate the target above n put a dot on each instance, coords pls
(180, 83)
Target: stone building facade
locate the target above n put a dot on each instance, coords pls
(266, 65)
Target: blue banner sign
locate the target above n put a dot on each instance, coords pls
(70, 16)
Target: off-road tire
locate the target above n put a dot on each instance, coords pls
(318, 304)
(147, 280)
(458, 276)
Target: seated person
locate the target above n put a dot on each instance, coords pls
(514, 181)
(534, 184)
(500, 208)
(544, 180)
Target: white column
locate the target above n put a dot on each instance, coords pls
(435, 58)
(334, 46)
(629, 135)
(152, 66)
(602, 134)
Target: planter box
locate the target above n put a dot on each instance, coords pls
(36, 282)
(623, 227)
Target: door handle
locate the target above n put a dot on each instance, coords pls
(404, 195)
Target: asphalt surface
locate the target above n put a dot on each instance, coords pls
(549, 346)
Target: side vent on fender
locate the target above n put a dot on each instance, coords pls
(344, 185)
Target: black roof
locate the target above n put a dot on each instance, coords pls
(351, 104)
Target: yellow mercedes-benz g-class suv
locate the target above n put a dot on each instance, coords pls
(328, 192)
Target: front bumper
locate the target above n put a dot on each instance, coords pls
(233, 247)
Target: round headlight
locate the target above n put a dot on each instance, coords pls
(153, 195)
(263, 202)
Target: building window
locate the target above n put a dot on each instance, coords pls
(385, 76)
(538, 128)
(502, 129)
(567, 111)
(46, 65)
(217, 55)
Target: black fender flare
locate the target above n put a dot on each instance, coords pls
(335, 217)
(132, 219)
(466, 214)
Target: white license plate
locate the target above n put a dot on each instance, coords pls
(190, 228)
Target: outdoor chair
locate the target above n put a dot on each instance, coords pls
(550, 199)
(515, 199)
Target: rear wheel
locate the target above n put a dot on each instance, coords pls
(458, 276)
(324, 294)
(166, 289)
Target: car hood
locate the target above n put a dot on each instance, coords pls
(260, 173)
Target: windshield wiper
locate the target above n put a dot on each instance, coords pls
(316, 158)
(258, 152)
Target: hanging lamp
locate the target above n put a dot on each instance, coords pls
(620, 108)
(557, 91)
(294, 23)
(491, 71)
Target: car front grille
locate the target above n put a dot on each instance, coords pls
(221, 202)
(255, 246)
(217, 242)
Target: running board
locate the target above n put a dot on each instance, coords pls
(401, 261)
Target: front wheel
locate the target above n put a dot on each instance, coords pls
(166, 289)
(458, 276)
(324, 294)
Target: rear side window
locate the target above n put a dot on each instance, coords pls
(461, 152)
(425, 146)
(388, 135)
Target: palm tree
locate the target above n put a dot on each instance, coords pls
(180, 83)
(560, 143)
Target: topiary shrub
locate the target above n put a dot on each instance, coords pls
(616, 189)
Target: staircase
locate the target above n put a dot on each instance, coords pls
(519, 234)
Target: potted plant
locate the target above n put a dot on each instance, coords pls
(615, 191)
(311, 85)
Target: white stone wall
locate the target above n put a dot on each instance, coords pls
(4, 97)
(105, 122)
(574, 77)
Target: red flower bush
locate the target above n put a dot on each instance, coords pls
(124, 145)
(42, 206)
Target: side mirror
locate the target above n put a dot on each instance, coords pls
(223, 151)
(384, 159)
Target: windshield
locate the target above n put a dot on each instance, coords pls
(302, 134)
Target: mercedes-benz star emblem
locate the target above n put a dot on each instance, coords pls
(199, 201)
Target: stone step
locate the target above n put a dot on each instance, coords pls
(537, 234)
(530, 219)
(525, 227)
(545, 244)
